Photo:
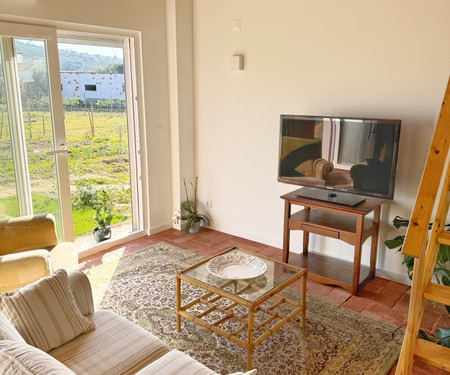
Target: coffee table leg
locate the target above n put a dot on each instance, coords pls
(251, 317)
(303, 318)
(178, 302)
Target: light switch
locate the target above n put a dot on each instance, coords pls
(237, 62)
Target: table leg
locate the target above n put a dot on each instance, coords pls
(286, 231)
(357, 257)
(374, 241)
(306, 234)
(250, 345)
(303, 318)
(178, 302)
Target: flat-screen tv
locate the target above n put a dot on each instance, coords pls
(339, 154)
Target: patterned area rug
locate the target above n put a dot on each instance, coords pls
(336, 340)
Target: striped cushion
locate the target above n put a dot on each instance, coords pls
(45, 312)
(22, 359)
(115, 347)
(176, 363)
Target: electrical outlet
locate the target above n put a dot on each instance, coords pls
(209, 204)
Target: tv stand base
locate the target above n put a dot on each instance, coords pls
(346, 223)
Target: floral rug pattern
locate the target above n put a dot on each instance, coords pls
(336, 340)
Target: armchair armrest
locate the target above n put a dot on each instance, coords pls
(19, 269)
(82, 291)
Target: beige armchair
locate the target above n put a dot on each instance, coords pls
(29, 250)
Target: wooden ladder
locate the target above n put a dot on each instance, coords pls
(424, 248)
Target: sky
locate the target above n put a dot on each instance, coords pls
(93, 50)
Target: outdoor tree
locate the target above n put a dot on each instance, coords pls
(121, 102)
(109, 103)
(120, 127)
(91, 120)
(40, 81)
(114, 68)
(72, 102)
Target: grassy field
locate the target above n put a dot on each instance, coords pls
(98, 157)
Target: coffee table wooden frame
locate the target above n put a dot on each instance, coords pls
(247, 319)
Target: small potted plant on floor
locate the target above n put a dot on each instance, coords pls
(190, 210)
(103, 215)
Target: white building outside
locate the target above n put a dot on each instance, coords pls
(90, 87)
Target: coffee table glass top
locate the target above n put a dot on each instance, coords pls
(249, 289)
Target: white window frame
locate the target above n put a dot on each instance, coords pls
(135, 116)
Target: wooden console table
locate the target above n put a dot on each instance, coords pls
(345, 223)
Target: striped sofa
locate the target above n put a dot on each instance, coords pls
(115, 346)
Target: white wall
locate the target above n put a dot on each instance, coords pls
(148, 20)
(382, 59)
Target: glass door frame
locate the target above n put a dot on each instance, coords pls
(126, 42)
(49, 36)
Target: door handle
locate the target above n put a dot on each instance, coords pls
(62, 150)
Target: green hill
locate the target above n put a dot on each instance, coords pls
(68, 60)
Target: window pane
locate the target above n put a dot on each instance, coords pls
(93, 88)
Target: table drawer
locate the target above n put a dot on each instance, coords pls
(322, 231)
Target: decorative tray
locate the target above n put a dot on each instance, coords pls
(236, 266)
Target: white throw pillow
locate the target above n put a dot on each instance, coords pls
(8, 332)
(45, 312)
(22, 359)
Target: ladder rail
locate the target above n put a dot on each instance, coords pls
(416, 235)
(416, 244)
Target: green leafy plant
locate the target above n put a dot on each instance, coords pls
(100, 200)
(103, 208)
(189, 208)
(442, 336)
(441, 274)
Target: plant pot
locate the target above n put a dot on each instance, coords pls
(195, 227)
(102, 234)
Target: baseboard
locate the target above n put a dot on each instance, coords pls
(401, 278)
(88, 250)
(160, 228)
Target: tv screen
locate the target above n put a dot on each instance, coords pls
(354, 155)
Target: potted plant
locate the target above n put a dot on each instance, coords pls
(101, 201)
(103, 216)
(190, 210)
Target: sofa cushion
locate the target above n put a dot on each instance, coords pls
(8, 332)
(45, 312)
(19, 358)
(115, 347)
(176, 362)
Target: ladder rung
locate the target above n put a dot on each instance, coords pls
(437, 293)
(433, 354)
(444, 238)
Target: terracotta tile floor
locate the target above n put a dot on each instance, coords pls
(381, 299)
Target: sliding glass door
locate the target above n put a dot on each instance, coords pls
(94, 89)
(33, 153)
(68, 133)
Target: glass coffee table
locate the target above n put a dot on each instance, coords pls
(251, 307)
